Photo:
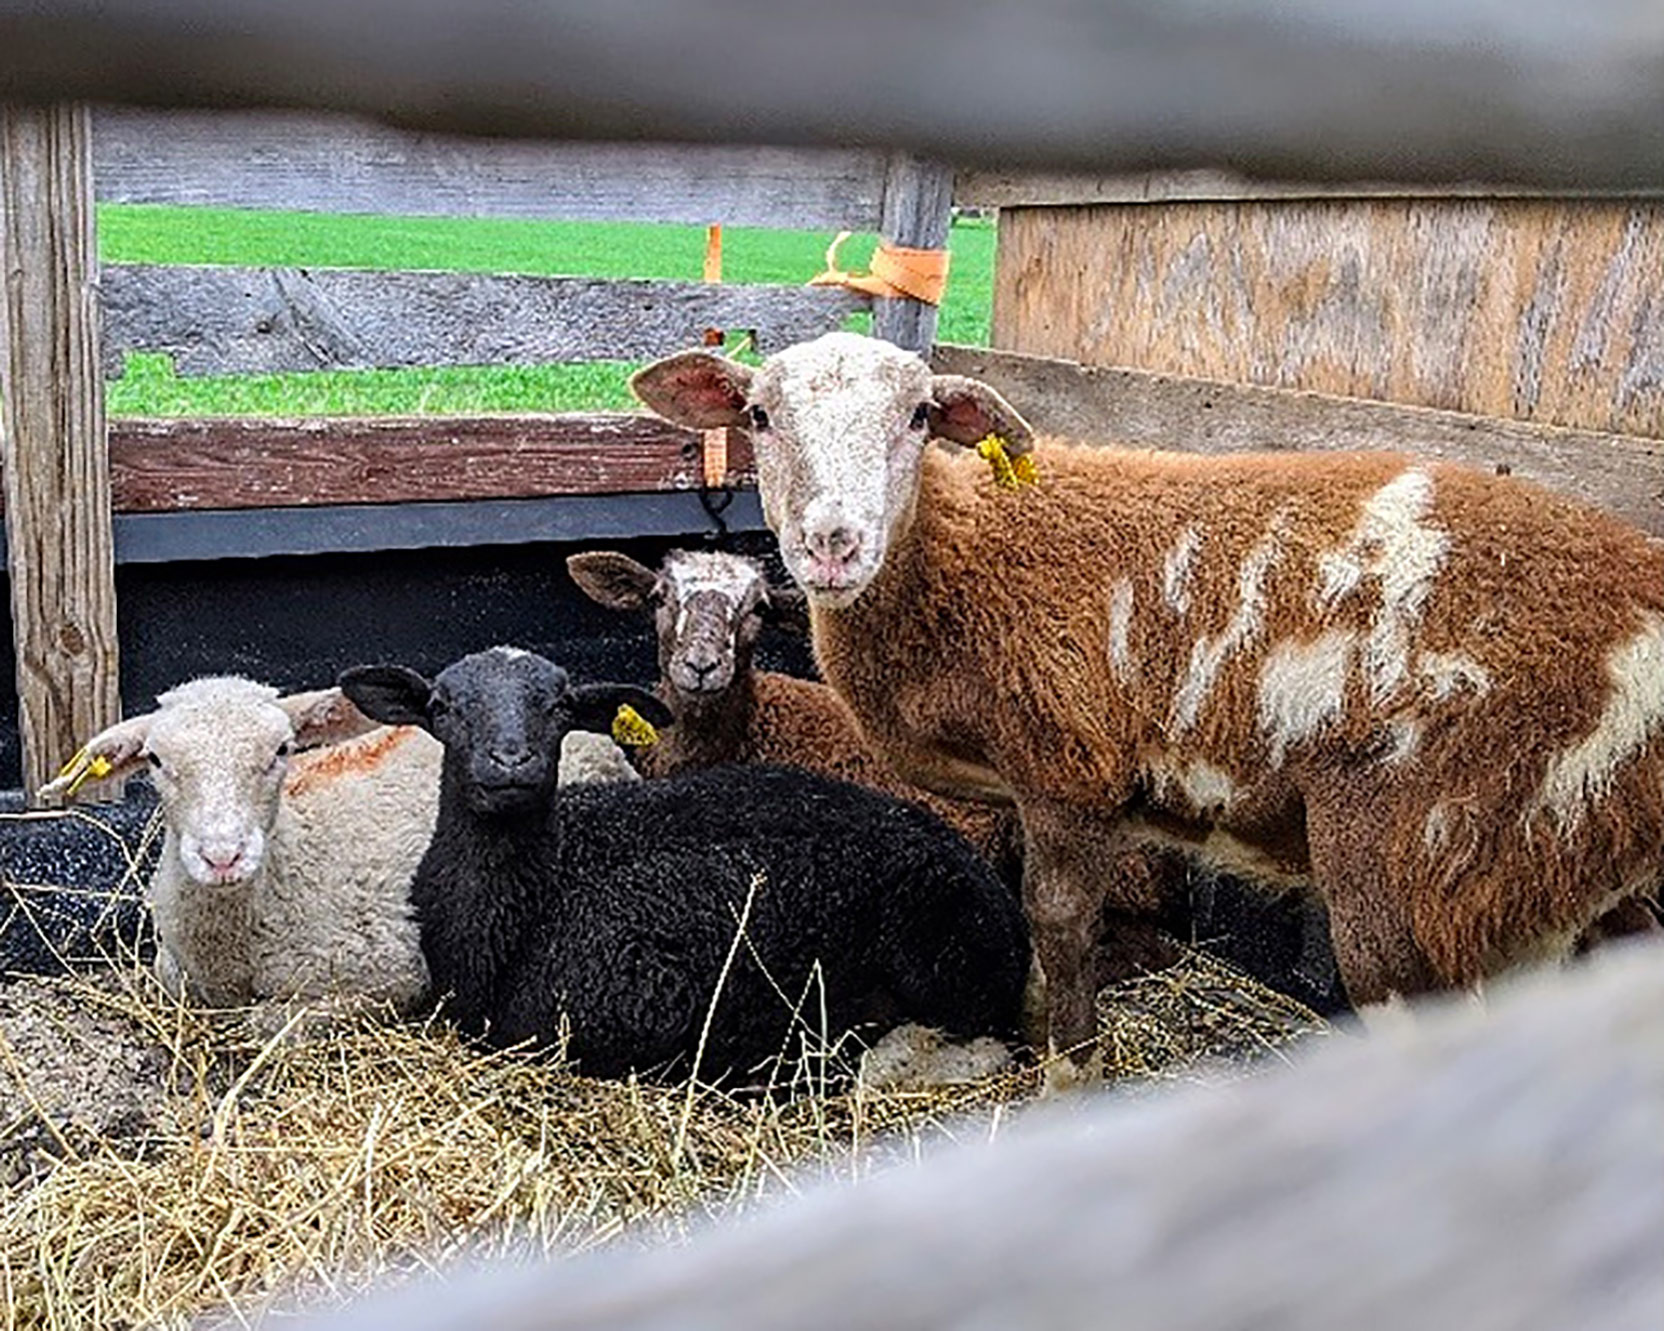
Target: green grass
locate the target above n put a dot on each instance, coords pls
(146, 234)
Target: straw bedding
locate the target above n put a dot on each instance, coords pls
(158, 1160)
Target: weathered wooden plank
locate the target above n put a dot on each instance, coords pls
(170, 465)
(57, 482)
(260, 320)
(1019, 189)
(342, 164)
(918, 209)
(1134, 408)
(1538, 310)
(1529, 91)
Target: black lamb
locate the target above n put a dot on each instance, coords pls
(608, 913)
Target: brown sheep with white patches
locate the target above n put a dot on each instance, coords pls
(1435, 696)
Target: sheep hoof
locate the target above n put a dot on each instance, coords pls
(1067, 1073)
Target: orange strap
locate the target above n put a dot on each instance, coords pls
(714, 454)
(897, 271)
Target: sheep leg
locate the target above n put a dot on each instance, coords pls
(1634, 915)
(1063, 891)
(1370, 923)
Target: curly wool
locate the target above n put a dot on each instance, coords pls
(615, 909)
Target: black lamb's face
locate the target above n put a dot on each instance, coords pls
(501, 715)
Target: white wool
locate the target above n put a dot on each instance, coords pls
(588, 758)
(327, 912)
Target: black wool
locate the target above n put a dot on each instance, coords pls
(618, 909)
(609, 912)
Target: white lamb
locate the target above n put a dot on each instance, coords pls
(283, 874)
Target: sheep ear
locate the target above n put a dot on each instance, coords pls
(324, 716)
(966, 411)
(613, 579)
(109, 755)
(394, 695)
(593, 706)
(698, 389)
(787, 607)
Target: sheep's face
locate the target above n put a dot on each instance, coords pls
(501, 715)
(707, 607)
(218, 751)
(839, 426)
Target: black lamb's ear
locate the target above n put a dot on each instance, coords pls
(787, 607)
(593, 706)
(392, 694)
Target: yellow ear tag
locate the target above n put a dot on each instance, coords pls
(1009, 473)
(86, 769)
(632, 729)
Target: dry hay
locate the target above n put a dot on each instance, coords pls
(157, 1160)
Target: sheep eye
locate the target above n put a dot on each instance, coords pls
(759, 417)
(921, 416)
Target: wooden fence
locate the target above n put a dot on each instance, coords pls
(69, 325)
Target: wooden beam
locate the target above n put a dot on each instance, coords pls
(269, 320)
(342, 164)
(918, 209)
(1536, 92)
(57, 480)
(1132, 408)
(160, 466)
(1047, 189)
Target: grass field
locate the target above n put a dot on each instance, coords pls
(143, 234)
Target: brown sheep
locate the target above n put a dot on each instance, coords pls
(1433, 695)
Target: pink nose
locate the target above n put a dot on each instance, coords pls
(223, 861)
(836, 547)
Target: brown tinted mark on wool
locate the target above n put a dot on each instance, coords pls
(357, 757)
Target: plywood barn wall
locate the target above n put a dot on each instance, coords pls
(1543, 310)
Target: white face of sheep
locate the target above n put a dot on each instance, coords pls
(218, 761)
(839, 426)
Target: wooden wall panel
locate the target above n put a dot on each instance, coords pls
(1549, 311)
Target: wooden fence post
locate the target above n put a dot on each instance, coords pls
(60, 547)
(918, 206)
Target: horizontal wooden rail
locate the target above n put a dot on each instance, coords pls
(340, 164)
(269, 320)
(167, 466)
(1046, 189)
(1621, 473)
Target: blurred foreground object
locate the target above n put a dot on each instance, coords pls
(1519, 91)
(1487, 1170)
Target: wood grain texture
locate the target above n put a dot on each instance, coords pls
(1536, 310)
(1017, 189)
(57, 481)
(267, 320)
(1138, 409)
(918, 209)
(342, 164)
(160, 466)
(1532, 91)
